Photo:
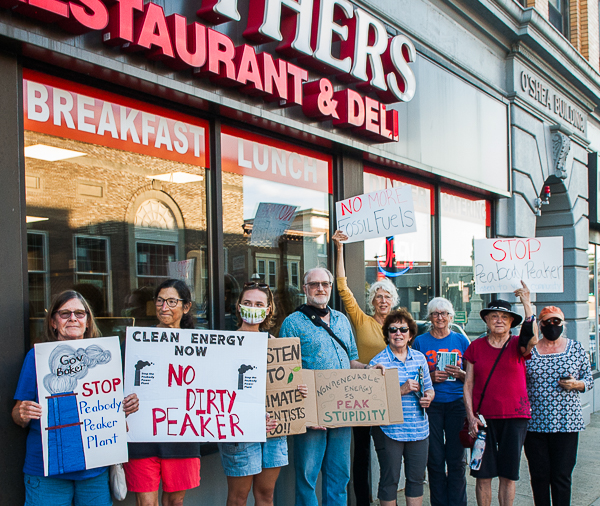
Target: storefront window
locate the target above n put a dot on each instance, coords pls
(403, 259)
(593, 305)
(275, 217)
(115, 201)
(463, 219)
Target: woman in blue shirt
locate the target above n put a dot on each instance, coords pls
(69, 318)
(409, 440)
(447, 412)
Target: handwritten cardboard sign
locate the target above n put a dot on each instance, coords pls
(270, 223)
(80, 388)
(381, 213)
(350, 397)
(501, 264)
(196, 385)
(284, 374)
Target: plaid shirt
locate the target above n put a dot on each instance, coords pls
(416, 423)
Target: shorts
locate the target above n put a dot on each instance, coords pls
(144, 475)
(50, 491)
(247, 459)
(503, 447)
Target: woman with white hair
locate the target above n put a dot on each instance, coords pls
(381, 299)
(444, 350)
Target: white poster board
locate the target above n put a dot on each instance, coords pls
(270, 223)
(501, 264)
(381, 213)
(80, 388)
(196, 385)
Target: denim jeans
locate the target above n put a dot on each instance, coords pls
(49, 491)
(327, 451)
(445, 452)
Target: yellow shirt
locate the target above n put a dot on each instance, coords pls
(369, 336)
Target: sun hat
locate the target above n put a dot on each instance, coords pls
(502, 306)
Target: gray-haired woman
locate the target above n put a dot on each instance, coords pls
(446, 414)
(381, 299)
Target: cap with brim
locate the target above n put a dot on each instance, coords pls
(501, 306)
(551, 312)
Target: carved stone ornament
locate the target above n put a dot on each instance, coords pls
(561, 145)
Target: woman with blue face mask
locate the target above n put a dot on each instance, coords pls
(255, 466)
(558, 371)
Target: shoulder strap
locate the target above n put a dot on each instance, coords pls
(492, 372)
(318, 322)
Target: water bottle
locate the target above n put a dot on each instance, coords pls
(477, 451)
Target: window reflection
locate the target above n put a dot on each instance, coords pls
(405, 259)
(275, 217)
(593, 305)
(463, 219)
(107, 215)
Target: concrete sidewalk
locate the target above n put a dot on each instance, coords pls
(586, 477)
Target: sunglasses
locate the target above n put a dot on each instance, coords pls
(393, 330)
(65, 314)
(552, 321)
(316, 284)
(254, 284)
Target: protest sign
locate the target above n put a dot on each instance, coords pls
(183, 270)
(445, 358)
(80, 390)
(270, 223)
(351, 397)
(381, 213)
(196, 385)
(284, 374)
(501, 264)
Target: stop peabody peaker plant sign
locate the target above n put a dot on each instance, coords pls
(196, 385)
(502, 263)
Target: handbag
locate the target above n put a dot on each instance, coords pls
(465, 437)
(116, 480)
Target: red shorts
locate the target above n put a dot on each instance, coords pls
(144, 475)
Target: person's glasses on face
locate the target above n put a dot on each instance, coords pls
(503, 317)
(552, 321)
(394, 330)
(65, 314)
(381, 298)
(313, 285)
(439, 314)
(170, 302)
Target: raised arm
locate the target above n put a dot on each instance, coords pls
(529, 332)
(340, 268)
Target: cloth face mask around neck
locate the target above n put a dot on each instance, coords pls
(253, 315)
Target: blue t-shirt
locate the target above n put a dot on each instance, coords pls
(448, 391)
(34, 461)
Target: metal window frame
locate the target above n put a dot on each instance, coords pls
(108, 274)
(46, 260)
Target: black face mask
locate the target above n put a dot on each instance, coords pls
(551, 332)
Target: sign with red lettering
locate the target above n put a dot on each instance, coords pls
(270, 223)
(502, 263)
(381, 213)
(196, 385)
(61, 108)
(80, 389)
(257, 156)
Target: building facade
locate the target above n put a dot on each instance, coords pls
(141, 141)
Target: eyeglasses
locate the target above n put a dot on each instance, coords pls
(317, 284)
(65, 314)
(393, 330)
(552, 321)
(503, 317)
(383, 297)
(170, 302)
(439, 314)
(254, 284)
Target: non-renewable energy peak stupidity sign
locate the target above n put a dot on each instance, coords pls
(502, 263)
(81, 393)
(381, 213)
(196, 385)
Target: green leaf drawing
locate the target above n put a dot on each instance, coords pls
(290, 377)
(297, 368)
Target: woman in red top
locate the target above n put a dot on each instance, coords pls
(505, 405)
